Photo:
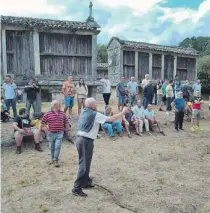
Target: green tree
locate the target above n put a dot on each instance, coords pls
(204, 71)
(102, 54)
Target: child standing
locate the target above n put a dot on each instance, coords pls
(179, 104)
(196, 112)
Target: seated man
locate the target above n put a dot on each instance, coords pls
(139, 119)
(127, 120)
(109, 127)
(150, 116)
(22, 127)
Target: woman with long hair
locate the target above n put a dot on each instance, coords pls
(82, 92)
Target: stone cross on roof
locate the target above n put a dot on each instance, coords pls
(91, 9)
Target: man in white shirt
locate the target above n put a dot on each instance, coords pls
(106, 89)
(145, 81)
(169, 96)
(88, 126)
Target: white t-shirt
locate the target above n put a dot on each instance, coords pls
(106, 85)
(145, 82)
(92, 134)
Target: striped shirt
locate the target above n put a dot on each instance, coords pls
(57, 122)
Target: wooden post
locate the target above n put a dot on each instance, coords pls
(150, 65)
(175, 66)
(94, 57)
(196, 69)
(162, 66)
(36, 52)
(4, 52)
(39, 101)
(121, 63)
(136, 66)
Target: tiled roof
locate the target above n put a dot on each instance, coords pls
(155, 47)
(102, 65)
(45, 23)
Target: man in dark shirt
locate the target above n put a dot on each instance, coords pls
(148, 94)
(32, 89)
(22, 127)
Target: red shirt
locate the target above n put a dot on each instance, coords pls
(198, 104)
(57, 122)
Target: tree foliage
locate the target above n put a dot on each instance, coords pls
(201, 44)
(204, 71)
(102, 54)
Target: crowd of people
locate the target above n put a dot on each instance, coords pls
(134, 114)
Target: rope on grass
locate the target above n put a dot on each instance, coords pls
(116, 201)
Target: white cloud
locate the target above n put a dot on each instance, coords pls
(179, 15)
(29, 8)
(139, 7)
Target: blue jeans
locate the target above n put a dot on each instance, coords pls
(121, 99)
(69, 101)
(109, 127)
(132, 100)
(30, 103)
(11, 102)
(55, 140)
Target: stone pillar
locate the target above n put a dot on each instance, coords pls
(4, 52)
(136, 66)
(94, 57)
(150, 65)
(36, 52)
(175, 66)
(162, 66)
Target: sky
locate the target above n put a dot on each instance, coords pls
(155, 21)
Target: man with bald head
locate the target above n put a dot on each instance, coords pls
(88, 126)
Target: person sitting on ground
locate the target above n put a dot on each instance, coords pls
(179, 104)
(110, 126)
(150, 116)
(139, 119)
(196, 111)
(22, 127)
(127, 120)
(5, 116)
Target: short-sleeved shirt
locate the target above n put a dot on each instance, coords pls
(22, 122)
(138, 112)
(92, 134)
(145, 82)
(121, 89)
(9, 90)
(132, 87)
(150, 114)
(106, 85)
(179, 104)
(196, 87)
(68, 88)
(169, 91)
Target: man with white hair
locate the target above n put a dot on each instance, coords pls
(145, 81)
(57, 123)
(88, 126)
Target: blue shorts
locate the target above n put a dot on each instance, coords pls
(121, 99)
(69, 101)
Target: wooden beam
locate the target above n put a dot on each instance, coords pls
(150, 65)
(162, 66)
(136, 65)
(4, 52)
(94, 57)
(175, 66)
(196, 69)
(36, 52)
(64, 55)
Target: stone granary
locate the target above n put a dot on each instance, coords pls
(130, 58)
(50, 51)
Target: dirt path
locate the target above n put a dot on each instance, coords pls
(152, 174)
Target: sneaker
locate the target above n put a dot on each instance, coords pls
(78, 192)
(18, 150)
(38, 148)
(88, 186)
(199, 129)
(56, 164)
(181, 129)
(167, 113)
(129, 135)
(149, 133)
(176, 130)
(192, 129)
